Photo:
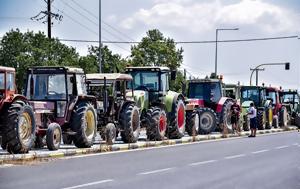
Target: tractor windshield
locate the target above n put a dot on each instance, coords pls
(272, 96)
(250, 94)
(145, 80)
(290, 98)
(47, 86)
(208, 91)
(2, 81)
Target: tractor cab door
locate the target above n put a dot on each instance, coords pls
(2, 85)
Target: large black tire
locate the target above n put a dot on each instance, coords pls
(156, 119)
(297, 120)
(53, 136)
(246, 123)
(18, 128)
(176, 127)
(130, 123)
(260, 120)
(208, 120)
(192, 123)
(84, 123)
(226, 115)
(283, 117)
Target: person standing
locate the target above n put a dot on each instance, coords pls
(235, 113)
(252, 113)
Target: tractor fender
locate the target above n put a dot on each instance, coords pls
(221, 103)
(18, 97)
(171, 99)
(142, 99)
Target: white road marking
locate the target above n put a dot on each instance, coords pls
(89, 184)
(156, 171)
(295, 144)
(260, 151)
(202, 162)
(235, 156)
(281, 147)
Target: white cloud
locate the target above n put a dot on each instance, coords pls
(203, 16)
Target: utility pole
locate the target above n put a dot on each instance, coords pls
(49, 18)
(46, 17)
(100, 56)
(257, 70)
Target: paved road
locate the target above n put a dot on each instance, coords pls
(271, 161)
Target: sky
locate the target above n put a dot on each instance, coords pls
(182, 20)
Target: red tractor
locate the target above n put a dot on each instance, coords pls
(207, 107)
(62, 107)
(280, 114)
(17, 123)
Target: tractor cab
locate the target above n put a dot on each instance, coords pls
(290, 98)
(7, 83)
(255, 94)
(272, 94)
(149, 81)
(208, 92)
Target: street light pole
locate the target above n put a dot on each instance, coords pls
(100, 56)
(216, 53)
(287, 67)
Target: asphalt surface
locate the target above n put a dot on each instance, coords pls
(269, 161)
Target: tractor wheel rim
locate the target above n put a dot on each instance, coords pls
(180, 116)
(56, 137)
(25, 128)
(206, 121)
(90, 124)
(162, 123)
(196, 123)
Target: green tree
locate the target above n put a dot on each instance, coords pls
(156, 50)
(111, 63)
(23, 50)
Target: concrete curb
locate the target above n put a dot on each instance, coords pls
(40, 155)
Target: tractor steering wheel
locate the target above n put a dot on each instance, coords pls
(142, 87)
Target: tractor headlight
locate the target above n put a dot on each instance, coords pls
(60, 108)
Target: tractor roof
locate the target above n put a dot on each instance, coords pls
(152, 68)
(272, 89)
(3, 68)
(252, 87)
(108, 76)
(204, 81)
(57, 68)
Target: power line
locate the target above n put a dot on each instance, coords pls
(110, 26)
(184, 42)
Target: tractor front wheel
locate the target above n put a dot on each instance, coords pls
(208, 120)
(283, 117)
(53, 136)
(156, 119)
(192, 123)
(260, 120)
(226, 115)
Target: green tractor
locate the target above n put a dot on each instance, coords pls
(256, 95)
(162, 110)
(290, 99)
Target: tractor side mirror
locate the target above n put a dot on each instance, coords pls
(173, 75)
(287, 66)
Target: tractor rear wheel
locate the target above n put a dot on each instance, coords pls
(130, 123)
(18, 128)
(208, 120)
(53, 136)
(226, 115)
(177, 120)
(192, 123)
(260, 120)
(84, 121)
(283, 117)
(156, 123)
